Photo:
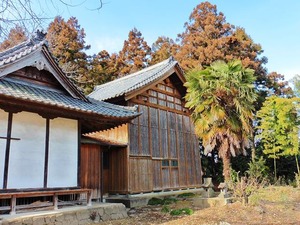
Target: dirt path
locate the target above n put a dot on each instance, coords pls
(282, 208)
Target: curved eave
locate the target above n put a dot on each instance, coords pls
(58, 110)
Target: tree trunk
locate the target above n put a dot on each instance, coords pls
(275, 170)
(226, 167)
(297, 163)
(253, 153)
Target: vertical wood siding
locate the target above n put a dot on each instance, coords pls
(164, 151)
(90, 168)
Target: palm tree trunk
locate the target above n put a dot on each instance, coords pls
(226, 167)
(253, 153)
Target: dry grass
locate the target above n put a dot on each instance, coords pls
(272, 205)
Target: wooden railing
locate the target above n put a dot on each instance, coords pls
(13, 196)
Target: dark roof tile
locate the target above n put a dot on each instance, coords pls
(133, 81)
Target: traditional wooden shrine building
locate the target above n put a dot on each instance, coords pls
(42, 118)
(158, 150)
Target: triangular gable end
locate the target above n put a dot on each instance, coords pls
(41, 59)
(175, 75)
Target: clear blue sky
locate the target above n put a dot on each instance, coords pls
(275, 24)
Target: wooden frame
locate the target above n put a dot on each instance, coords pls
(54, 193)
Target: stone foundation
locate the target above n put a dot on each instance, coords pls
(140, 200)
(80, 215)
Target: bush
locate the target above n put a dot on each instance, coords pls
(155, 201)
(178, 212)
(186, 195)
(158, 201)
(169, 201)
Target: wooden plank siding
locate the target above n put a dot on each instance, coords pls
(163, 148)
(141, 175)
(90, 168)
(118, 170)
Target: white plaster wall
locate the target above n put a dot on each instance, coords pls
(3, 132)
(63, 153)
(27, 156)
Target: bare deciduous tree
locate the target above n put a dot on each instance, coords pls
(32, 15)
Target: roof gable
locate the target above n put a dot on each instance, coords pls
(133, 84)
(35, 53)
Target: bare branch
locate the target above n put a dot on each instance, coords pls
(32, 15)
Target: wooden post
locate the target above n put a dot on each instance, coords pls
(55, 201)
(89, 198)
(13, 202)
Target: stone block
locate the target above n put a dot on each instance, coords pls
(106, 217)
(38, 221)
(59, 218)
(82, 215)
(100, 211)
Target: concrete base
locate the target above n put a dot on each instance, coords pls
(77, 215)
(139, 200)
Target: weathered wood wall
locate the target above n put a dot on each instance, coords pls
(115, 170)
(164, 151)
(118, 170)
(90, 169)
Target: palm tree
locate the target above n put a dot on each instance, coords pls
(221, 99)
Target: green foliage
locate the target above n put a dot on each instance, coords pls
(155, 201)
(278, 128)
(165, 201)
(178, 212)
(209, 37)
(186, 195)
(169, 201)
(258, 169)
(221, 98)
(165, 209)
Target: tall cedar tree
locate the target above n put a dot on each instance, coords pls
(67, 44)
(162, 49)
(221, 99)
(102, 69)
(134, 55)
(278, 86)
(16, 36)
(208, 37)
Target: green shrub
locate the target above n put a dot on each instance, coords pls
(178, 212)
(155, 201)
(169, 201)
(186, 195)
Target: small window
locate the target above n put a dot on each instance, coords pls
(169, 89)
(174, 163)
(165, 163)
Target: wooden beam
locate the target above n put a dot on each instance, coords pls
(7, 150)
(46, 162)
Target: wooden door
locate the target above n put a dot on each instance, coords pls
(90, 169)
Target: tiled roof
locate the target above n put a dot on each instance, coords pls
(34, 44)
(21, 50)
(21, 91)
(133, 81)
